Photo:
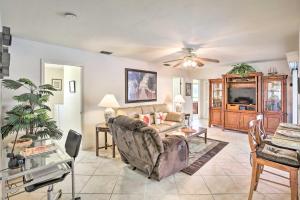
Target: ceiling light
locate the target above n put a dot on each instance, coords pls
(70, 15)
(189, 62)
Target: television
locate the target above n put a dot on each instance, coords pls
(242, 96)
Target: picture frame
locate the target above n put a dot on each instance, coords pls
(57, 84)
(188, 89)
(72, 86)
(140, 85)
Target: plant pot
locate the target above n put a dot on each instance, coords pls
(20, 144)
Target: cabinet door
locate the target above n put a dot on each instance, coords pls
(273, 96)
(216, 117)
(232, 120)
(271, 122)
(216, 94)
(245, 119)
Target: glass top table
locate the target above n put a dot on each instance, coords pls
(54, 158)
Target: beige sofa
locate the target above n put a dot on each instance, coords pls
(173, 119)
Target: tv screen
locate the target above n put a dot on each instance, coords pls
(242, 95)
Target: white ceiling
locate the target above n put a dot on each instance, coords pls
(151, 30)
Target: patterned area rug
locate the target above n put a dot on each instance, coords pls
(201, 153)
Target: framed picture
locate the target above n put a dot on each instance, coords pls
(57, 84)
(72, 86)
(140, 85)
(188, 89)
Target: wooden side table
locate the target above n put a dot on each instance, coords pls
(102, 127)
(187, 118)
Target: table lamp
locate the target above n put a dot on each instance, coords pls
(109, 102)
(179, 100)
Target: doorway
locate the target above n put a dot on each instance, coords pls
(66, 104)
(177, 88)
(196, 97)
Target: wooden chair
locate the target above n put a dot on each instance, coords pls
(264, 154)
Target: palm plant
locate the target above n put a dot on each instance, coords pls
(30, 115)
(241, 69)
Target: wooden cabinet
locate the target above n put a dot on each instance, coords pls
(238, 120)
(274, 101)
(215, 102)
(234, 101)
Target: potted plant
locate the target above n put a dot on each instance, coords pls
(241, 69)
(30, 115)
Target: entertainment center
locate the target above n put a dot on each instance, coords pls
(235, 100)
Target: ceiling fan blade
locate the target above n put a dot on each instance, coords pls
(209, 60)
(177, 64)
(172, 60)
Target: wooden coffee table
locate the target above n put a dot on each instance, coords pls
(188, 134)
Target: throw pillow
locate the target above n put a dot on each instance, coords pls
(146, 118)
(159, 117)
(174, 117)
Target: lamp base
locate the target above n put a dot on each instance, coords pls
(108, 113)
(178, 107)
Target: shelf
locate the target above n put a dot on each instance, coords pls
(238, 82)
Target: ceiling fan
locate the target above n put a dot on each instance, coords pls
(190, 59)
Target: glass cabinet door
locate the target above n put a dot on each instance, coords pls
(216, 95)
(273, 101)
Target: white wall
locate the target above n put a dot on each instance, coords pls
(55, 73)
(216, 72)
(101, 75)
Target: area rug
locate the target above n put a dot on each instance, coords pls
(201, 153)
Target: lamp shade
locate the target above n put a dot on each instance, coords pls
(179, 99)
(109, 101)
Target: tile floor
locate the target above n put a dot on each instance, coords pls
(225, 177)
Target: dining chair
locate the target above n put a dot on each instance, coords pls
(72, 146)
(264, 154)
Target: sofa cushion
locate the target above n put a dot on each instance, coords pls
(130, 111)
(172, 124)
(174, 116)
(148, 109)
(129, 123)
(161, 108)
(161, 127)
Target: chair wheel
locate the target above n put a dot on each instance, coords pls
(77, 198)
(134, 168)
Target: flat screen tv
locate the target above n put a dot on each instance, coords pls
(242, 96)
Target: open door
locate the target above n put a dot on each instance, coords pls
(66, 104)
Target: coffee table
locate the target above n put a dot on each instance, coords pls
(197, 132)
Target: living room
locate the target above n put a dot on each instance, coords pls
(104, 39)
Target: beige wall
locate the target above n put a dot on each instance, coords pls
(216, 72)
(102, 74)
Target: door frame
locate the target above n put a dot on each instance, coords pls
(43, 62)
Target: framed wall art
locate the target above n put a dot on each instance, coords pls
(188, 89)
(57, 84)
(140, 85)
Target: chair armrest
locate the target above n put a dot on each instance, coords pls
(172, 143)
(174, 158)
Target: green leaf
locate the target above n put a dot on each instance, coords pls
(27, 97)
(11, 84)
(47, 87)
(27, 82)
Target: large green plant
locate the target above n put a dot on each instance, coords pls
(241, 69)
(30, 114)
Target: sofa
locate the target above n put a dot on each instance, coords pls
(173, 120)
(142, 147)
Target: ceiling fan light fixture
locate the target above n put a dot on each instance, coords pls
(189, 63)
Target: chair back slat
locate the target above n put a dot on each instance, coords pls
(254, 135)
(261, 129)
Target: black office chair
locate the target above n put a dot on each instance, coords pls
(72, 147)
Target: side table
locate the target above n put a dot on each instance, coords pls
(102, 127)
(187, 118)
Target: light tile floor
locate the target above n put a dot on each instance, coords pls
(225, 177)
